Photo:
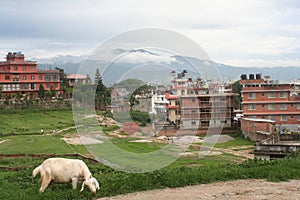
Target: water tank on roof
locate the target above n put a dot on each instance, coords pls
(251, 76)
(258, 76)
(244, 77)
(19, 52)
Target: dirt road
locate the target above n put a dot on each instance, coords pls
(230, 190)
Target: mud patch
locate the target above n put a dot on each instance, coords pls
(82, 140)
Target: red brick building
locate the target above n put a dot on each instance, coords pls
(18, 76)
(263, 98)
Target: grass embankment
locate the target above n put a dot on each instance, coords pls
(20, 185)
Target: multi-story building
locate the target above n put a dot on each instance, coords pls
(173, 108)
(159, 104)
(270, 101)
(77, 78)
(199, 104)
(18, 76)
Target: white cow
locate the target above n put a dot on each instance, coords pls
(63, 170)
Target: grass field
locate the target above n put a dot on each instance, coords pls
(184, 171)
(31, 122)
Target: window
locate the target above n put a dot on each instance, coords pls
(223, 111)
(224, 121)
(31, 77)
(194, 111)
(40, 77)
(271, 106)
(262, 94)
(292, 105)
(193, 123)
(252, 107)
(7, 77)
(15, 67)
(190, 91)
(283, 118)
(55, 78)
(6, 87)
(48, 85)
(24, 77)
(47, 77)
(25, 86)
(298, 106)
(272, 117)
(271, 95)
(15, 87)
(177, 112)
(15, 77)
(32, 86)
(24, 68)
(282, 106)
(252, 95)
(282, 94)
(31, 68)
(193, 99)
(292, 116)
(262, 105)
(298, 117)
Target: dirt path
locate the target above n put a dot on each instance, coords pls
(3, 141)
(230, 190)
(236, 153)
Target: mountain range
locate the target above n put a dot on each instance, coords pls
(71, 64)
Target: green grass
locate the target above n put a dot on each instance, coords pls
(136, 147)
(39, 144)
(32, 122)
(20, 185)
(207, 161)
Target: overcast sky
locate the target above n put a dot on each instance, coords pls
(242, 33)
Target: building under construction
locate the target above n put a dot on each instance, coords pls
(199, 105)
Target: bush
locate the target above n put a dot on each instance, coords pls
(142, 117)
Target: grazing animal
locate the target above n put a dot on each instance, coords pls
(63, 170)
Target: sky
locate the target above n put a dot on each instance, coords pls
(263, 33)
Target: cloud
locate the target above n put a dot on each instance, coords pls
(263, 62)
(228, 30)
(145, 57)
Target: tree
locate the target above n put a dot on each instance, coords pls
(41, 92)
(64, 83)
(98, 77)
(102, 94)
(134, 87)
(132, 100)
(236, 88)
